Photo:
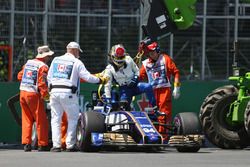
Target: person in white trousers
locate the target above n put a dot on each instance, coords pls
(64, 77)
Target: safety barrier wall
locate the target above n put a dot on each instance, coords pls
(192, 96)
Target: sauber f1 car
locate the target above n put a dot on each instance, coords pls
(104, 127)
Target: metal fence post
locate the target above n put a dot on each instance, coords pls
(12, 17)
(45, 23)
(78, 21)
(109, 25)
(204, 40)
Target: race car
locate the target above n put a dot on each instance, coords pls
(104, 127)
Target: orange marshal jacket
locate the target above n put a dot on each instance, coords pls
(159, 73)
(33, 77)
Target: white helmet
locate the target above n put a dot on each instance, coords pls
(117, 55)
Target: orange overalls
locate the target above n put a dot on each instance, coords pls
(64, 127)
(158, 74)
(33, 89)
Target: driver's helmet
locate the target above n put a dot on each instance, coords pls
(117, 55)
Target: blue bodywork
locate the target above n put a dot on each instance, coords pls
(139, 124)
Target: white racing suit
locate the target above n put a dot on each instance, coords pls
(64, 81)
(123, 77)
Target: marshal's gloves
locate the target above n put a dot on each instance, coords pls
(176, 91)
(46, 98)
(99, 74)
(103, 79)
(133, 81)
(141, 47)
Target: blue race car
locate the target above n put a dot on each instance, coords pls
(111, 126)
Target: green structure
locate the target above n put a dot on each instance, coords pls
(182, 13)
(225, 112)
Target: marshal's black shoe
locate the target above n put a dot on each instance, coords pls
(43, 148)
(73, 149)
(27, 148)
(55, 149)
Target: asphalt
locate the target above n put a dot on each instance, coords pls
(12, 155)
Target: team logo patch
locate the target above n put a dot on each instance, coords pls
(61, 67)
(29, 74)
(156, 75)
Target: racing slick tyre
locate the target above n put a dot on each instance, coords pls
(89, 122)
(187, 123)
(247, 118)
(217, 126)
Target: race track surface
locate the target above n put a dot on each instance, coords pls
(14, 156)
